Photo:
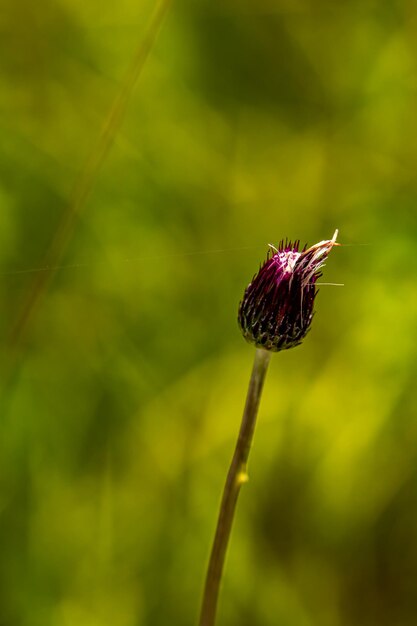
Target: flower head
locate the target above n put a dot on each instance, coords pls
(277, 306)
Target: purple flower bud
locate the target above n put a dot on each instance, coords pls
(277, 306)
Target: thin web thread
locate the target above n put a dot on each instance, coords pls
(154, 257)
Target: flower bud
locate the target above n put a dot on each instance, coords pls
(277, 306)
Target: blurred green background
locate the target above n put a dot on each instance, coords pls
(121, 400)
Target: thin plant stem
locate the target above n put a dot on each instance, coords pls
(236, 477)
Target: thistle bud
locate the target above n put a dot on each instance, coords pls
(277, 306)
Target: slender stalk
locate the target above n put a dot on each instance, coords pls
(236, 477)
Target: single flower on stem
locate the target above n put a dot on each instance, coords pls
(275, 314)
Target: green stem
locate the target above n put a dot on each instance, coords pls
(236, 477)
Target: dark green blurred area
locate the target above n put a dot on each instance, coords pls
(250, 122)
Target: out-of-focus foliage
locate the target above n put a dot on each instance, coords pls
(251, 121)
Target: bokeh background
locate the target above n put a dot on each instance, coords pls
(124, 376)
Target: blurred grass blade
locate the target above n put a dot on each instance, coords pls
(85, 181)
